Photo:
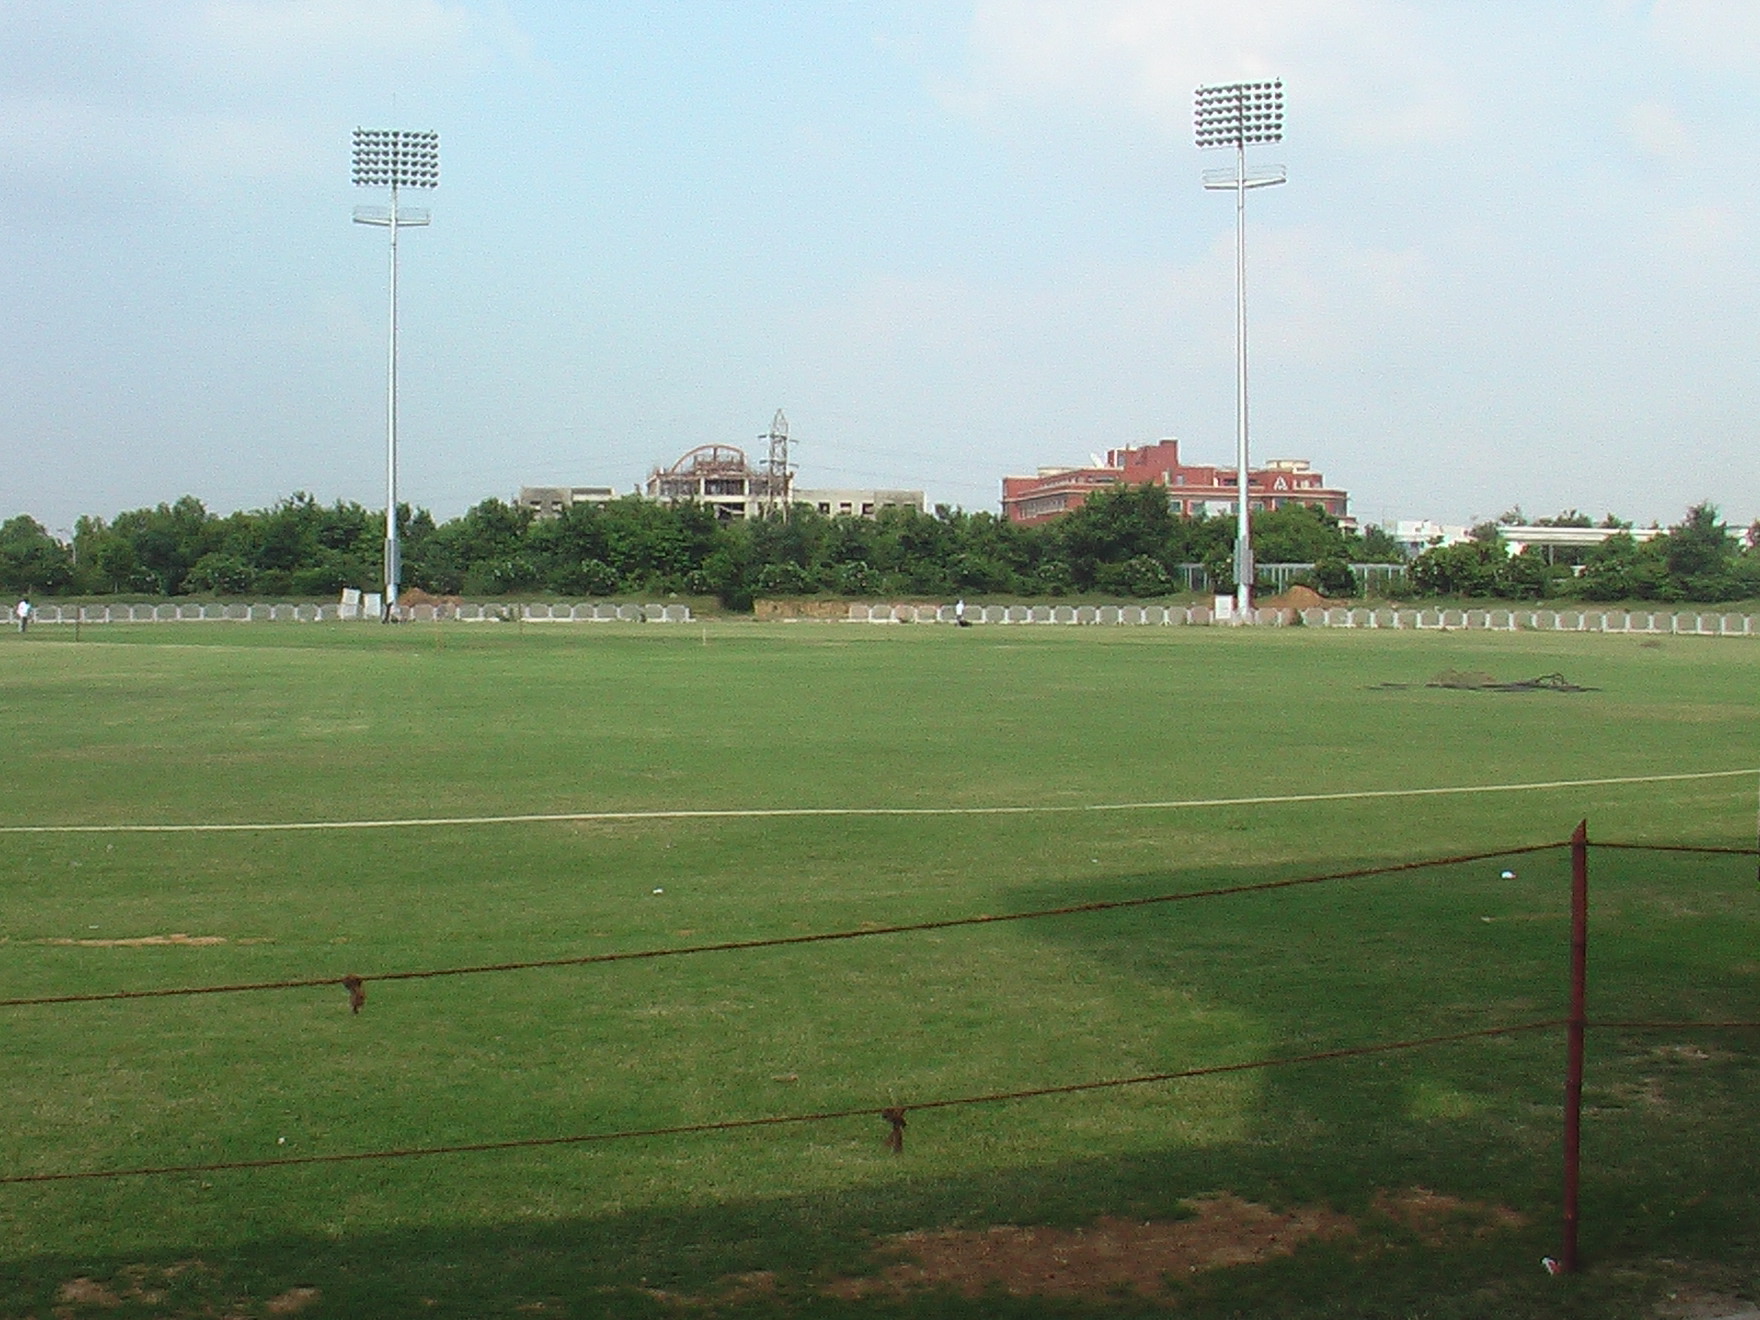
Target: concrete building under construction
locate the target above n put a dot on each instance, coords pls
(721, 477)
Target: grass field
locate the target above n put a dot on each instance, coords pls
(263, 724)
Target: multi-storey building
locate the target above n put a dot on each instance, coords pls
(550, 501)
(1193, 489)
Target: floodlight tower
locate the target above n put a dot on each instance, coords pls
(1240, 115)
(393, 158)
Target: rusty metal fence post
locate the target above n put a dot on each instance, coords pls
(1574, 1032)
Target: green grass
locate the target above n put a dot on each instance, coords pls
(262, 723)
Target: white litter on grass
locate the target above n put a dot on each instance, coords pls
(1509, 875)
(659, 891)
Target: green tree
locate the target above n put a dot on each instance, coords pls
(1297, 534)
(1700, 554)
(1112, 527)
(1528, 576)
(1467, 569)
(220, 574)
(1377, 546)
(165, 541)
(30, 559)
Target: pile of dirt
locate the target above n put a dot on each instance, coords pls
(1299, 598)
(413, 596)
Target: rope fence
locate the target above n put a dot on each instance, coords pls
(356, 984)
(1575, 1026)
(893, 1114)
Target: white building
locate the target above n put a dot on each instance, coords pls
(861, 503)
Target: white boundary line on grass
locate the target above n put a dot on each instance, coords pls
(762, 813)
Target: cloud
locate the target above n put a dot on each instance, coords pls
(1722, 35)
(325, 24)
(1370, 65)
(305, 34)
(109, 144)
(213, 92)
(1657, 130)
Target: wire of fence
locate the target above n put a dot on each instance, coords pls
(356, 983)
(893, 1114)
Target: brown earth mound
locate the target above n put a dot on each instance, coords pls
(416, 596)
(1299, 598)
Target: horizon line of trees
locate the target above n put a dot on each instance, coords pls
(1123, 541)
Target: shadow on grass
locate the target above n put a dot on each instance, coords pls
(1325, 966)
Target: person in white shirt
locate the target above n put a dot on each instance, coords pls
(22, 612)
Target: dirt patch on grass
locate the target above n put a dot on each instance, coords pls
(1438, 1218)
(1113, 1257)
(1106, 1258)
(86, 1292)
(136, 1285)
(1693, 1303)
(293, 1301)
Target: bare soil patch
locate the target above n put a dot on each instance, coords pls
(86, 1292)
(293, 1301)
(138, 1285)
(1692, 1303)
(1108, 1256)
(1112, 1256)
(1438, 1218)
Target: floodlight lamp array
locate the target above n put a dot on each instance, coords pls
(1240, 114)
(396, 158)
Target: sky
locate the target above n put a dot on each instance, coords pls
(1516, 261)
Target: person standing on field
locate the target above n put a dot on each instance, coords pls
(22, 611)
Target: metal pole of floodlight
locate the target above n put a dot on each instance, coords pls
(393, 158)
(1240, 115)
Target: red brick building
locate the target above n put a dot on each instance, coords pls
(1193, 489)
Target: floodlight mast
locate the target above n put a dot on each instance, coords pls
(393, 158)
(1240, 115)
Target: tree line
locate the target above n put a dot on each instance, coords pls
(1123, 541)
(1699, 559)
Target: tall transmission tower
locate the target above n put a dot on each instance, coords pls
(778, 479)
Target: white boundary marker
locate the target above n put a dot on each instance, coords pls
(772, 813)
